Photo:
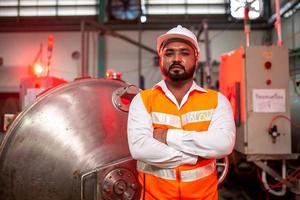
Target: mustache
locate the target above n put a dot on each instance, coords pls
(176, 65)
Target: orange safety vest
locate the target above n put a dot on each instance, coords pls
(185, 182)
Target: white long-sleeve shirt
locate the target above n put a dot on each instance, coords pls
(183, 147)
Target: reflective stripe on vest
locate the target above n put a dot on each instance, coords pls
(166, 119)
(170, 174)
(190, 117)
(197, 116)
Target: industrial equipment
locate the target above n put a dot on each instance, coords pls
(71, 144)
(255, 79)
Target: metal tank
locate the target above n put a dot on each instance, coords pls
(71, 144)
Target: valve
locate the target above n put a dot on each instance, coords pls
(273, 132)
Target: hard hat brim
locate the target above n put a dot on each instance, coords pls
(161, 39)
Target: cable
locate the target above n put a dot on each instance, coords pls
(284, 117)
(292, 176)
(267, 185)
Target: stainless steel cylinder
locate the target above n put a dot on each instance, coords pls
(70, 144)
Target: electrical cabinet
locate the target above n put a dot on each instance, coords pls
(256, 82)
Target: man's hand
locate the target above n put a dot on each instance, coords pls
(160, 135)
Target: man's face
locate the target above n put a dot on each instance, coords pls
(178, 61)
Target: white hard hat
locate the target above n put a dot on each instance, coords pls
(178, 32)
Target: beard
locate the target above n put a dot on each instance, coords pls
(174, 72)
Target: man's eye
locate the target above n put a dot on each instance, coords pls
(185, 53)
(168, 54)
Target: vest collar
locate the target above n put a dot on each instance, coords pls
(163, 86)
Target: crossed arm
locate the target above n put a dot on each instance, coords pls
(174, 147)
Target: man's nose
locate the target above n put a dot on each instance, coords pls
(177, 57)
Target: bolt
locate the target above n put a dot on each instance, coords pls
(120, 187)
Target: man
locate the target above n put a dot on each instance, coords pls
(177, 129)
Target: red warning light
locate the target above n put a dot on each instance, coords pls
(111, 74)
(268, 65)
(38, 69)
(50, 42)
(269, 82)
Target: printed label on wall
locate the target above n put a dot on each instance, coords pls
(269, 100)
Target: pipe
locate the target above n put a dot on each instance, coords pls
(87, 51)
(278, 24)
(83, 56)
(123, 37)
(288, 6)
(246, 24)
(141, 80)
(266, 185)
(207, 67)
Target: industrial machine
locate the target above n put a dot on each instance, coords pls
(255, 79)
(71, 144)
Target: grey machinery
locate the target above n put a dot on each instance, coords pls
(256, 81)
(71, 144)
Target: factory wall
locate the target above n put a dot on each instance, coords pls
(290, 31)
(20, 49)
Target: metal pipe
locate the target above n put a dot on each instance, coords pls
(105, 30)
(266, 185)
(246, 24)
(141, 83)
(82, 29)
(207, 67)
(87, 50)
(285, 8)
(278, 23)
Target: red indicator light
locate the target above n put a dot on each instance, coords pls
(268, 65)
(111, 74)
(50, 42)
(268, 82)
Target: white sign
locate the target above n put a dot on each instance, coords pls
(269, 100)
